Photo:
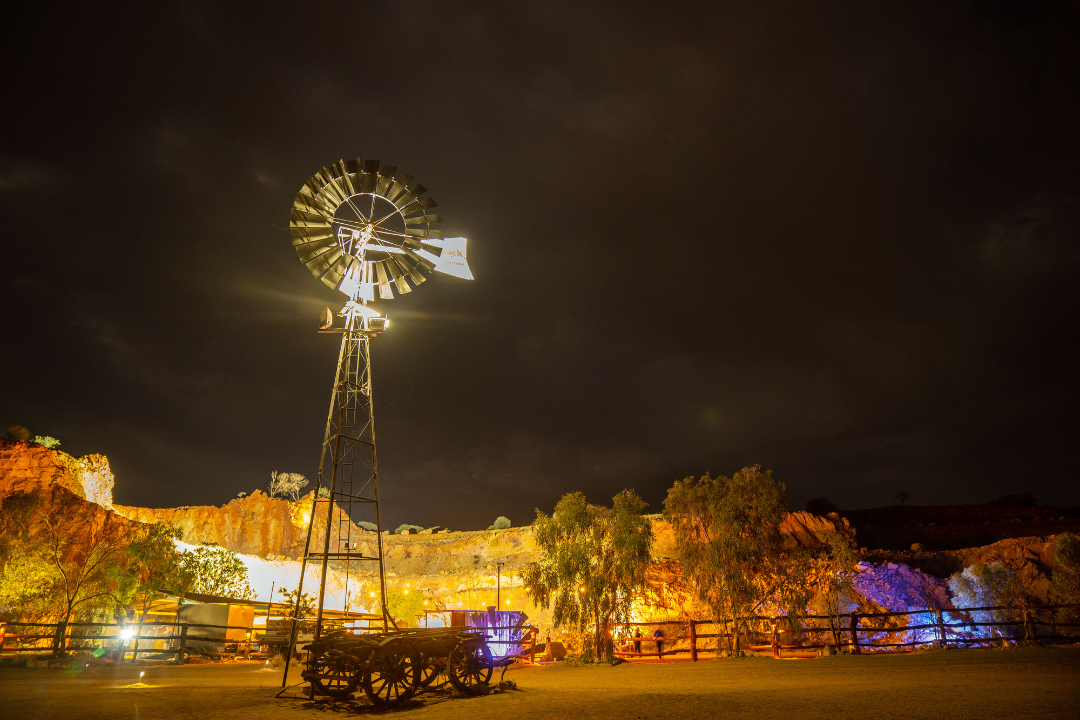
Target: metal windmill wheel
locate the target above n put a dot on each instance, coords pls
(360, 224)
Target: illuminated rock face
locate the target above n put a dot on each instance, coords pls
(26, 466)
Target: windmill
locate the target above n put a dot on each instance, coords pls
(360, 227)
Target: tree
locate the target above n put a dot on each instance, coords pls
(306, 609)
(287, 484)
(156, 563)
(592, 563)
(212, 570)
(87, 546)
(501, 523)
(727, 538)
(902, 497)
(49, 442)
(64, 558)
(835, 595)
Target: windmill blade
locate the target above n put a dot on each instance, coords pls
(307, 205)
(404, 179)
(422, 258)
(368, 182)
(383, 185)
(332, 277)
(317, 257)
(314, 197)
(399, 279)
(384, 281)
(299, 237)
(425, 219)
(345, 179)
(388, 171)
(395, 190)
(371, 167)
(424, 233)
(404, 201)
(409, 270)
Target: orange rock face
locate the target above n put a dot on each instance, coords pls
(26, 466)
(253, 525)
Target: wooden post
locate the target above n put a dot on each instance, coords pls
(183, 644)
(775, 639)
(58, 638)
(854, 633)
(693, 641)
(941, 627)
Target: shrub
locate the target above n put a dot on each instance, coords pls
(820, 506)
(367, 525)
(1066, 579)
(501, 523)
(985, 586)
(241, 494)
(406, 529)
(18, 432)
(49, 442)
(1016, 500)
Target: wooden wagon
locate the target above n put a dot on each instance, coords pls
(394, 666)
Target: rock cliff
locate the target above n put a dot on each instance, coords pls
(26, 466)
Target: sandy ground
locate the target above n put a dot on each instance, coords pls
(1016, 683)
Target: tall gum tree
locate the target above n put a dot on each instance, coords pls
(592, 564)
(728, 541)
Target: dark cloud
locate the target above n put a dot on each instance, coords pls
(839, 242)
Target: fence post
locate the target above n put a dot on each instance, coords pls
(693, 640)
(183, 644)
(854, 633)
(58, 638)
(941, 627)
(1029, 624)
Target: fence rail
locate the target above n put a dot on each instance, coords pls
(845, 629)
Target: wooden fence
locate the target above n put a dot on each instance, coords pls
(59, 636)
(682, 637)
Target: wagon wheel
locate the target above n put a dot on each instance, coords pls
(334, 673)
(470, 665)
(430, 667)
(393, 672)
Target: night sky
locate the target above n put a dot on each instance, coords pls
(838, 240)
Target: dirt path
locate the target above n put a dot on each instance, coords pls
(1028, 682)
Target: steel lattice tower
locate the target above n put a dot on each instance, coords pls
(349, 484)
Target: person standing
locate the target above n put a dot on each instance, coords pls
(659, 637)
(637, 640)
